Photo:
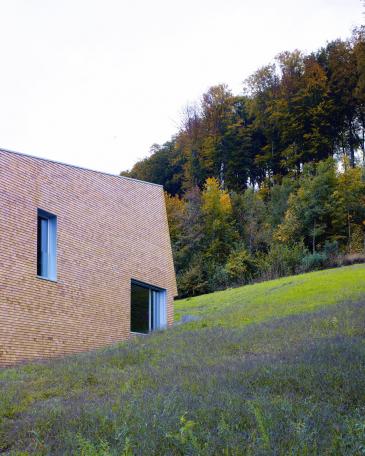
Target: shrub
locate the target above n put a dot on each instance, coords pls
(313, 261)
(357, 239)
(331, 249)
(353, 258)
(218, 278)
(240, 266)
(192, 282)
(281, 260)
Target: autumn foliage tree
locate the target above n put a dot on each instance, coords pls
(270, 181)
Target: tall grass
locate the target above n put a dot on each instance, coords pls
(259, 382)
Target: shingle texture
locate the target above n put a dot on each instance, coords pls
(110, 230)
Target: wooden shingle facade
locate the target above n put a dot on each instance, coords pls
(104, 233)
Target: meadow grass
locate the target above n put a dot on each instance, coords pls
(272, 368)
(276, 298)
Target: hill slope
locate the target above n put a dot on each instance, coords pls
(271, 368)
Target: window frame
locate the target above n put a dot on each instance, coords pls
(51, 266)
(157, 307)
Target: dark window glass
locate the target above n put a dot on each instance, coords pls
(140, 303)
(43, 247)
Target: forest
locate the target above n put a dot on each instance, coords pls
(269, 182)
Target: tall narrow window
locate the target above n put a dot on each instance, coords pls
(47, 245)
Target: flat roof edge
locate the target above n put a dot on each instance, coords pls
(76, 166)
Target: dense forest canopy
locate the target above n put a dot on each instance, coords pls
(271, 181)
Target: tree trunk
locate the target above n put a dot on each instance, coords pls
(349, 231)
(352, 146)
(362, 145)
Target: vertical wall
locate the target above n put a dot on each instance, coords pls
(109, 230)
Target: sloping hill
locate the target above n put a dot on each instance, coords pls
(271, 368)
(277, 298)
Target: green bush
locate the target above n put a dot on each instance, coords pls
(281, 260)
(241, 266)
(192, 281)
(331, 249)
(314, 261)
(218, 278)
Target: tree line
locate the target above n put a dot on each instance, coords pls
(269, 182)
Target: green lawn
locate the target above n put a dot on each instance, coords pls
(271, 368)
(276, 298)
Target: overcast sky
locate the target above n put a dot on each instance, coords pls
(96, 82)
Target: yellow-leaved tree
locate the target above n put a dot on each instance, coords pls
(219, 226)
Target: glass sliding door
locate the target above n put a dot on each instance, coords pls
(148, 308)
(159, 309)
(140, 305)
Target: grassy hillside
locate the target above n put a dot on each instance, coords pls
(276, 298)
(272, 368)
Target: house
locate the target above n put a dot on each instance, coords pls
(85, 259)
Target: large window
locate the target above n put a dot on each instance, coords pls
(148, 308)
(47, 245)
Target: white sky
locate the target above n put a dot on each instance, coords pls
(95, 83)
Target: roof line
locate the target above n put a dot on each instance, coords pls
(77, 167)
